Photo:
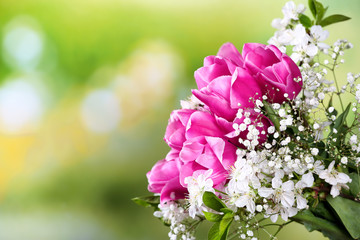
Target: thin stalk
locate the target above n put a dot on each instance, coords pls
(338, 90)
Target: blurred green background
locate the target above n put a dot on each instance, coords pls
(86, 88)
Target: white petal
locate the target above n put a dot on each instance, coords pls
(287, 199)
(288, 185)
(301, 202)
(276, 182)
(292, 212)
(311, 50)
(250, 206)
(308, 179)
(274, 218)
(284, 214)
(265, 192)
(277, 23)
(241, 201)
(335, 190)
(343, 178)
(323, 46)
(295, 57)
(331, 165)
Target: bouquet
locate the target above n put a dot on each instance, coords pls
(265, 136)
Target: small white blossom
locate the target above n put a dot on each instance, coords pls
(334, 178)
(314, 151)
(197, 185)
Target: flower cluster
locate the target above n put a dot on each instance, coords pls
(261, 137)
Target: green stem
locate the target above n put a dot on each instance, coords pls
(338, 90)
(281, 226)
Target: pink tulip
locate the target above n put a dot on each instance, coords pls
(224, 85)
(209, 153)
(277, 74)
(164, 179)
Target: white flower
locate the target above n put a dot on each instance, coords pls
(334, 178)
(285, 213)
(280, 192)
(344, 160)
(353, 139)
(290, 10)
(321, 96)
(297, 36)
(271, 129)
(302, 50)
(307, 180)
(279, 23)
(314, 151)
(197, 185)
(247, 200)
(318, 35)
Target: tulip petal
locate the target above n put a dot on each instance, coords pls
(229, 51)
(206, 74)
(243, 87)
(173, 191)
(191, 150)
(202, 124)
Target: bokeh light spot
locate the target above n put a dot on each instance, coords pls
(100, 111)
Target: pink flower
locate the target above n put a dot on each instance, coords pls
(204, 153)
(164, 179)
(274, 70)
(223, 64)
(185, 124)
(175, 130)
(224, 85)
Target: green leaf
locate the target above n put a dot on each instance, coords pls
(323, 211)
(270, 113)
(225, 225)
(340, 125)
(213, 217)
(214, 232)
(312, 7)
(226, 210)
(348, 211)
(320, 11)
(333, 19)
(212, 201)
(327, 228)
(147, 201)
(305, 21)
(355, 184)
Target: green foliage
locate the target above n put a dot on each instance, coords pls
(333, 19)
(324, 211)
(222, 221)
(212, 201)
(355, 184)
(347, 211)
(220, 229)
(318, 11)
(147, 201)
(213, 217)
(311, 4)
(305, 21)
(270, 113)
(214, 232)
(340, 125)
(329, 229)
(225, 225)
